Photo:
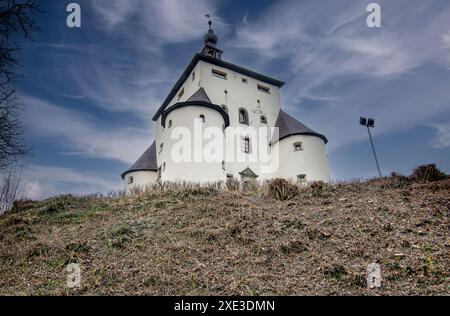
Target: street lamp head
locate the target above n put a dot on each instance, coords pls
(363, 121)
(371, 122)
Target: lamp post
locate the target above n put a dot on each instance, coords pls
(370, 123)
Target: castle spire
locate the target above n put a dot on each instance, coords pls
(210, 40)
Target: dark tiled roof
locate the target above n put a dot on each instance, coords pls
(216, 62)
(289, 126)
(199, 96)
(147, 162)
(247, 172)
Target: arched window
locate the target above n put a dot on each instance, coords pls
(170, 123)
(263, 119)
(202, 118)
(224, 107)
(243, 116)
(298, 146)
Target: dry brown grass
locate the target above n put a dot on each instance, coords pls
(207, 241)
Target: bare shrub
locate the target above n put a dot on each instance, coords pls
(317, 188)
(282, 189)
(232, 185)
(428, 173)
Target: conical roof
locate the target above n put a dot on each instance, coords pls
(199, 96)
(289, 126)
(147, 162)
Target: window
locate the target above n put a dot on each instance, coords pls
(223, 165)
(161, 147)
(243, 116)
(244, 80)
(170, 123)
(298, 146)
(164, 167)
(245, 145)
(180, 94)
(263, 89)
(202, 118)
(224, 107)
(219, 74)
(158, 175)
(130, 180)
(263, 119)
(193, 76)
(301, 178)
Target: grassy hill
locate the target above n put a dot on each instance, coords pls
(212, 242)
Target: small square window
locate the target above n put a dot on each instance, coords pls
(219, 74)
(244, 80)
(130, 180)
(301, 178)
(263, 89)
(298, 146)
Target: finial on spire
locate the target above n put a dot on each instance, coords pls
(209, 20)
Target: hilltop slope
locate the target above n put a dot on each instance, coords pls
(209, 242)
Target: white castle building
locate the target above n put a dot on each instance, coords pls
(215, 93)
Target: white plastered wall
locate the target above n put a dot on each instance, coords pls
(141, 179)
(203, 172)
(311, 161)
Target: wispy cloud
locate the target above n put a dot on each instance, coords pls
(442, 138)
(84, 135)
(168, 21)
(350, 69)
(44, 181)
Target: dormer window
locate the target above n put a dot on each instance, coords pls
(219, 74)
(263, 89)
(298, 146)
(243, 116)
(263, 119)
(180, 94)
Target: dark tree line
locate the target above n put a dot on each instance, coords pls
(16, 24)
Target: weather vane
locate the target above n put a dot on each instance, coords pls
(209, 20)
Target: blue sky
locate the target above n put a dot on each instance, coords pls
(90, 93)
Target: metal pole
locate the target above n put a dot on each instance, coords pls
(374, 153)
